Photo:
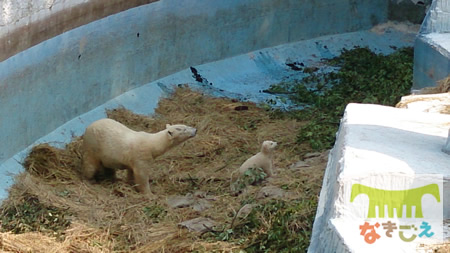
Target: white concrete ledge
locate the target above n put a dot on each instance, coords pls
(446, 147)
(385, 148)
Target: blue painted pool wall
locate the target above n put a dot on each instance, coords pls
(431, 63)
(55, 81)
(432, 57)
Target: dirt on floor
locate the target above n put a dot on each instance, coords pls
(52, 209)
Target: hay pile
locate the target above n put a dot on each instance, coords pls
(111, 217)
(442, 86)
(429, 99)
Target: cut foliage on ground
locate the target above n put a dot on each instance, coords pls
(360, 76)
(52, 209)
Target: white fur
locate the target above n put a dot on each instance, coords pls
(263, 159)
(109, 144)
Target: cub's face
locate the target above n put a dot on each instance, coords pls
(268, 146)
(180, 133)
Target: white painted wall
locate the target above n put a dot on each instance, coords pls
(17, 13)
(438, 18)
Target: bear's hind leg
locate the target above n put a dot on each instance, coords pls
(130, 176)
(104, 173)
(91, 166)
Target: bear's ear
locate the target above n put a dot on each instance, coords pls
(170, 133)
(167, 126)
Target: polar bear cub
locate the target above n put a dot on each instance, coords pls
(109, 144)
(263, 160)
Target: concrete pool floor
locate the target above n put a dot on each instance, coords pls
(242, 77)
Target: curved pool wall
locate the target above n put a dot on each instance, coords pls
(26, 23)
(49, 84)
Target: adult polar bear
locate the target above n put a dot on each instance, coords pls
(109, 144)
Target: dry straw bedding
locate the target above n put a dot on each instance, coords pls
(110, 216)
